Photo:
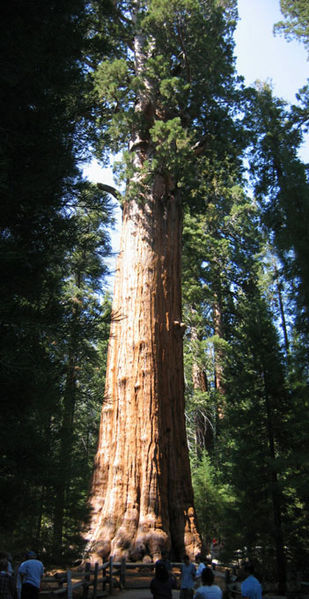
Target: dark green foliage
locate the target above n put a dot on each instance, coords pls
(231, 334)
(212, 499)
(281, 185)
(76, 344)
(190, 97)
(255, 449)
(42, 109)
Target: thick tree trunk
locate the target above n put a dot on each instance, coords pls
(142, 498)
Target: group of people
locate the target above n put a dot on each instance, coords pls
(25, 582)
(162, 584)
(198, 582)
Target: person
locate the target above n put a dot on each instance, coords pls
(201, 566)
(188, 572)
(231, 582)
(8, 557)
(7, 590)
(208, 590)
(162, 584)
(164, 560)
(250, 587)
(31, 572)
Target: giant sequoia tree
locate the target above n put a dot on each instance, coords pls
(166, 99)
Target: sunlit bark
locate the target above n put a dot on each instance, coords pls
(142, 496)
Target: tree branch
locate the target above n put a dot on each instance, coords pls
(109, 189)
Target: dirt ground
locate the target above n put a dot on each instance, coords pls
(146, 594)
(140, 594)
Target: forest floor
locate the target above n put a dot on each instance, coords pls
(140, 594)
(144, 593)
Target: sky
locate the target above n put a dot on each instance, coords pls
(260, 56)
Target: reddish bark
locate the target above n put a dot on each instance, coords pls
(141, 497)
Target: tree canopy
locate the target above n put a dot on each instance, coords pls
(296, 20)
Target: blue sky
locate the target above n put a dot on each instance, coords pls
(261, 55)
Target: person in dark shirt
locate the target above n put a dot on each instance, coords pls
(7, 590)
(162, 584)
(164, 560)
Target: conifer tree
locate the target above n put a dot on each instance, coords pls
(77, 340)
(257, 407)
(44, 110)
(281, 186)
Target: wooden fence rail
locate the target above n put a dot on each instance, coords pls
(94, 581)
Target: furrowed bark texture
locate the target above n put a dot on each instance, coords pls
(142, 497)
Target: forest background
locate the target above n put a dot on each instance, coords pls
(245, 289)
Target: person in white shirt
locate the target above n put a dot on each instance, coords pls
(201, 565)
(251, 587)
(31, 572)
(208, 590)
(187, 578)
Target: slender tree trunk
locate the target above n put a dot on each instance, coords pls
(142, 496)
(282, 312)
(218, 356)
(40, 513)
(217, 315)
(204, 430)
(276, 498)
(65, 456)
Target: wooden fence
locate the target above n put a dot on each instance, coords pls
(96, 581)
(93, 582)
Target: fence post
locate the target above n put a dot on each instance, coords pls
(123, 573)
(111, 575)
(103, 576)
(69, 585)
(86, 580)
(227, 579)
(95, 580)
